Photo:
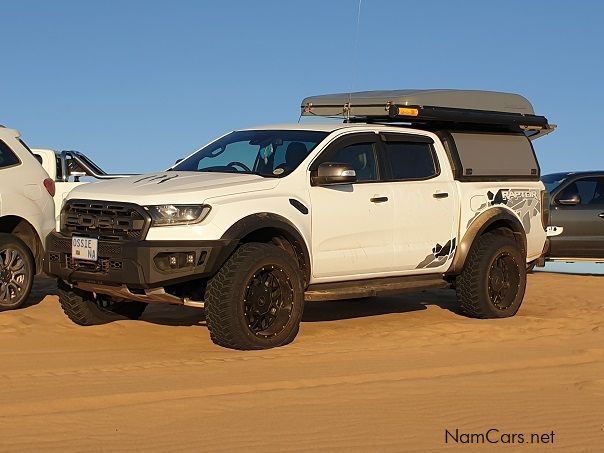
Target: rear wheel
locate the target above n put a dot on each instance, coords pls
(493, 280)
(17, 269)
(255, 301)
(86, 310)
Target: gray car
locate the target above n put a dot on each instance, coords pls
(576, 225)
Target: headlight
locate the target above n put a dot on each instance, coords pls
(177, 214)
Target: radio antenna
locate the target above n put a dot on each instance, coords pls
(355, 46)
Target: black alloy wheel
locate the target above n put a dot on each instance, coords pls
(268, 301)
(17, 270)
(504, 277)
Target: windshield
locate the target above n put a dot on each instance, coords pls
(271, 153)
(554, 180)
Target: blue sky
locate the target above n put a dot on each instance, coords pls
(137, 84)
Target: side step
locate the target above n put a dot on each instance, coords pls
(373, 287)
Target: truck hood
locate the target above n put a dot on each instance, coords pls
(173, 187)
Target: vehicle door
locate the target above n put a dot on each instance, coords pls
(352, 223)
(577, 219)
(425, 203)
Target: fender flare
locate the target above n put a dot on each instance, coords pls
(256, 223)
(493, 218)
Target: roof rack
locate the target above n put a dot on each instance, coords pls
(439, 107)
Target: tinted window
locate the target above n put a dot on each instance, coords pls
(410, 160)
(262, 152)
(361, 157)
(493, 155)
(7, 157)
(591, 191)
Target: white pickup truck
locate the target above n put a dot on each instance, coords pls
(66, 169)
(416, 189)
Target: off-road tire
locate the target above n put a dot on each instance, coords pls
(472, 285)
(27, 270)
(227, 290)
(82, 309)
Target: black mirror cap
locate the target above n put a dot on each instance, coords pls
(178, 161)
(330, 173)
(570, 201)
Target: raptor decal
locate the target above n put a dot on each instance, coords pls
(526, 203)
(440, 254)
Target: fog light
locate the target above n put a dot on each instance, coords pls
(171, 261)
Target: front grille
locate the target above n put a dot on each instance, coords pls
(104, 220)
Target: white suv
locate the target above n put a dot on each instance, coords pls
(428, 189)
(26, 217)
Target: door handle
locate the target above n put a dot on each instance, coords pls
(440, 194)
(378, 199)
(601, 215)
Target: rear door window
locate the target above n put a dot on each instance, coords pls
(7, 157)
(410, 160)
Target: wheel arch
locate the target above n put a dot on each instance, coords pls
(493, 219)
(21, 228)
(269, 227)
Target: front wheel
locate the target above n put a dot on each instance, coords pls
(493, 280)
(255, 301)
(17, 269)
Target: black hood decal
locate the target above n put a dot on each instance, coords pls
(160, 178)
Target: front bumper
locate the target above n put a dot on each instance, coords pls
(136, 264)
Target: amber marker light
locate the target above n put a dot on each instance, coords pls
(408, 111)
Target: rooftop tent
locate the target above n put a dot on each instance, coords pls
(463, 107)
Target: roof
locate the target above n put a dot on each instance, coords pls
(324, 127)
(7, 132)
(569, 174)
(331, 127)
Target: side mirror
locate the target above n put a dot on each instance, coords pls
(330, 173)
(178, 161)
(573, 200)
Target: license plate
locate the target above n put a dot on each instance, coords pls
(84, 248)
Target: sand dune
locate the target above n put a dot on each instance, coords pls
(383, 374)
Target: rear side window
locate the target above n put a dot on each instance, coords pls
(7, 157)
(495, 156)
(409, 161)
